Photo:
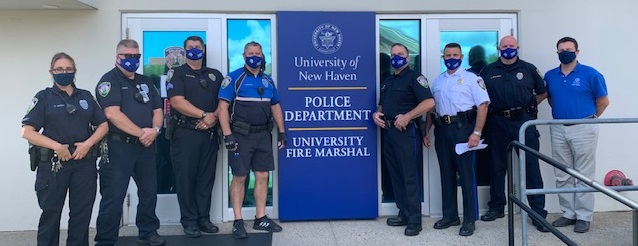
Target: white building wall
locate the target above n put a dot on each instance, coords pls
(605, 30)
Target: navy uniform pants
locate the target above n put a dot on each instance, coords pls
(403, 154)
(502, 131)
(127, 160)
(194, 158)
(79, 178)
(446, 138)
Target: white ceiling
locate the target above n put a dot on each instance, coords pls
(48, 4)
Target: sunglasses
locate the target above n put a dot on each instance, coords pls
(129, 56)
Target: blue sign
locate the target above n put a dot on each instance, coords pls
(327, 84)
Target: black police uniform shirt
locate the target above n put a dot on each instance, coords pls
(402, 92)
(199, 87)
(115, 89)
(48, 110)
(512, 86)
(249, 95)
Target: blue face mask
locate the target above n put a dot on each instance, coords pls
(194, 54)
(64, 79)
(130, 64)
(399, 61)
(566, 57)
(452, 63)
(509, 53)
(254, 61)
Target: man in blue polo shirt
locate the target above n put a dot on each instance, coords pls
(576, 91)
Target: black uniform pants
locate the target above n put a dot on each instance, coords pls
(79, 178)
(127, 160)
(446, 138)
(502, 132)
(403, 154)
(194, 158)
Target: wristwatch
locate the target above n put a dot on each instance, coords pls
(477, 133)
(157, 129)
(204, 114)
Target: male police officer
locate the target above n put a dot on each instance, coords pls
(247, 134)
(192, 89)
(405, 96)
(515, 88)
(461, 108)
(134, 110)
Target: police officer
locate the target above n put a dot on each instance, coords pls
(247, 134)
(461, 108)
(134, 110)
(192, 89)
(64, 153)
(405, 96)
(515, 88)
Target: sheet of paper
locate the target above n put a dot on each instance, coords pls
(462, 147)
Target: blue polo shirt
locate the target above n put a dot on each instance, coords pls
(249, 95)
(574, 95)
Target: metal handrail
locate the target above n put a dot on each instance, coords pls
(522, 176)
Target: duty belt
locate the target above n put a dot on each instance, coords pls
(123, 138)
(46, 154)
(190, 123)
(510, 113)
(259, 128)
(460, 118)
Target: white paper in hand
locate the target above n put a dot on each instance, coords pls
(462, 147)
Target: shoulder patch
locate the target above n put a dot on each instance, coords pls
(481, 83)
(226, 82)
(104, 88)
(34, 102)
(169, 75)
(423, 81)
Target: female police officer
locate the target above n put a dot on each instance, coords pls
(66, 152)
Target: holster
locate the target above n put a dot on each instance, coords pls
(34, 157)
(420, 122)
(170, 128)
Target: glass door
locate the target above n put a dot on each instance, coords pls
(161, 39)
(478, 35)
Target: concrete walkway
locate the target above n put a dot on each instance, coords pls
(613, 228)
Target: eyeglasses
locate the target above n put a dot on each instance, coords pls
(63, 70)
(129, 56)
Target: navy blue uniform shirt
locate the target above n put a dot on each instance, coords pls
(199, 87)
(249, 95)
(48, 110)
(514, 85)
(401, 92)
(115, 89)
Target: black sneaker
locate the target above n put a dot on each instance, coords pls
(266, 224)
(239, 232)
(153, 240)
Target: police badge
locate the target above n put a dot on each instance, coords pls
(212, 76)
(84, 104)
(265, 82)
(519, 75)
(104, 88)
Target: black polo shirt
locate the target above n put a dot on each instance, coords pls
(514, 85)
(115, 89)
(48, 110)
(199, 87)
(402, 92)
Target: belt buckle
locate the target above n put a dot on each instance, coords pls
(507, 113)
(447, 119)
